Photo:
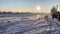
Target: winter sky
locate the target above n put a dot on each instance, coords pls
(35, 6)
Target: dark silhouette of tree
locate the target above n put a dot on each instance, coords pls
(55, 13)
(4, 12)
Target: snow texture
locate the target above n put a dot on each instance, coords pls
(29, 25)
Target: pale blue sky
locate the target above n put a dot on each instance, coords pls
(28, 4)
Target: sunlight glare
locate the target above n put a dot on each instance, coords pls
(38, 7)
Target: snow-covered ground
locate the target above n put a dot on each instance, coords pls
(29, 25)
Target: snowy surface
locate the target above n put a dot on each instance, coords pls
(29, 25)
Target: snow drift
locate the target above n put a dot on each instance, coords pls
(29, 25)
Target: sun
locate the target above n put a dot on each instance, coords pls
(38, 7)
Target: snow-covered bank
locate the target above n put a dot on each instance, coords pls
(28, 25)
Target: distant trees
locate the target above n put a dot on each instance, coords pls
(4, 12)
(10, 12)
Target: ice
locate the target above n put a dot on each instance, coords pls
(29, 25)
